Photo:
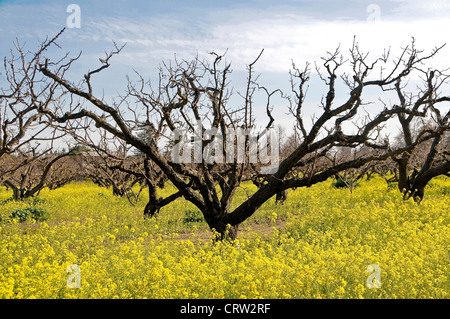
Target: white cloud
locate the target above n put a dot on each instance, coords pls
(305, 39)
(434, 7)
(284, 37)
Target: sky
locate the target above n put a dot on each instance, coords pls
(288, 30)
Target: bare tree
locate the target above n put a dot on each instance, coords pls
(197, 93)
(420, 164)
(121, 175)
(426, 161)
(30, 176)
(111, 162)
(25, 134)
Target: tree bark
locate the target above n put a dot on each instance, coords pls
(422, 179)
(281, 197)
(225, 231)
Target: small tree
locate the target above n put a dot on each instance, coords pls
(29, 177)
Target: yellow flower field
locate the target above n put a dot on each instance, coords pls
(319, 244)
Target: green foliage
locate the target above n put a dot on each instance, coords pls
(37, 214)
(193, 216)
(341, 184)
(445, 190)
